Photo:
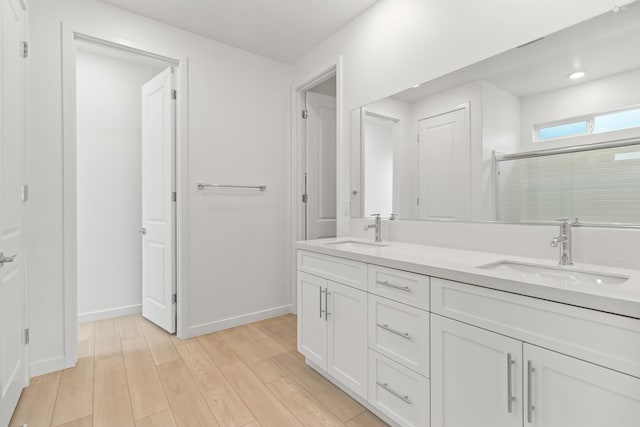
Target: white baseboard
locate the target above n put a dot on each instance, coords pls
(46, 366)
(109, 313)
(219, 325)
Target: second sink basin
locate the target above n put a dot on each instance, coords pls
(558, 276)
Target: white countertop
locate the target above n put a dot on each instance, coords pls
(461, 266)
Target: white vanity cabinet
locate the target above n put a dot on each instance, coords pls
(561, 391)
(476, 376)
(332, 321)
(425, 351)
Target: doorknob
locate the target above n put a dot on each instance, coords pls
(143, 231)
(4, 259)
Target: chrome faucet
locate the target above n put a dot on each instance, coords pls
(564, 240)
(377, 226)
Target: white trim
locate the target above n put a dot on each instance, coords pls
(47, 366)
(219, 325)
(109, 313)
(298, 160)
(68, 34)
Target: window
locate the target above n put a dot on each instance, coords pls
(593, 124)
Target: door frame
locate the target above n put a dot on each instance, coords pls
(396, 138)
(298, 160)
(69, 33)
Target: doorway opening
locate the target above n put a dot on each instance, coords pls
(124, 169)
(318, 172)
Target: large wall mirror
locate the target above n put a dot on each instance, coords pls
(548, 130)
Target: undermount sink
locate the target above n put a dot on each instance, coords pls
(356, 244)
(558, 276)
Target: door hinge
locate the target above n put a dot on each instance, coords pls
(174, 196)
(305, 114)
(418, 138)
(305, 198)
(26, 336)
(24, 48)
(174, 298)
(24, 193)
(418, 201)
(174, 94)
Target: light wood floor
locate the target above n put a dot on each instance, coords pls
(131, 373)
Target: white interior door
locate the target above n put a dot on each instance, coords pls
(13, 363)
(158, 201)
(321, 166)
(444, 162)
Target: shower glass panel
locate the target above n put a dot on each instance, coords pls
(594, 186)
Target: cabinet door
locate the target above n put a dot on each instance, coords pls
(475, 376)
(312, 325)
(347, 312)
(561, 391)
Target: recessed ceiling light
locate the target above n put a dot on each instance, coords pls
(577, 75)
(416, 86)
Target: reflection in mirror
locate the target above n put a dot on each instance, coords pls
(547, 130)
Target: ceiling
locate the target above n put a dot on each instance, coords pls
(602, 46)
(280, 29)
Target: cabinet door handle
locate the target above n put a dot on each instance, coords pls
(404, 398)
(326, 305)
(320, 301)
(386, 327)
(510, 397)
(391, 285)
(530, 406)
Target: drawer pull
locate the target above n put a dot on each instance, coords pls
(391, 285)
(320, 299)
(404, 398)
(386, 327)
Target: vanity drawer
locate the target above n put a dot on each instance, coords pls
(399, 332)
(347, 272)
(400, 393)
(601, 338)
(398, 285)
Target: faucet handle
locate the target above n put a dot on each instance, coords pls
(375, 215)
(563, 220)
(393, 217)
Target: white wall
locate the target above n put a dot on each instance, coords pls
(398, 43)
(109, 179)
(238, 132)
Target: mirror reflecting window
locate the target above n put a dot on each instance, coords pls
(454, 148)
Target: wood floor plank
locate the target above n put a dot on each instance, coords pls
(41, 379)
(224, 402)
(160, 345)
(36, 405)
(217, 349)
(147, 395)
(130, 327)
(86, 340)
(111, 402)
(267, 370)
(177, 341)
(241, 345)
(162, 419)
(307, 409)
(366, 419)
(187, 404)
(107, 339)
(75, 393)
(268, 346)
(337, 401)
(252, 424)
(82, 422)
(268, 410)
